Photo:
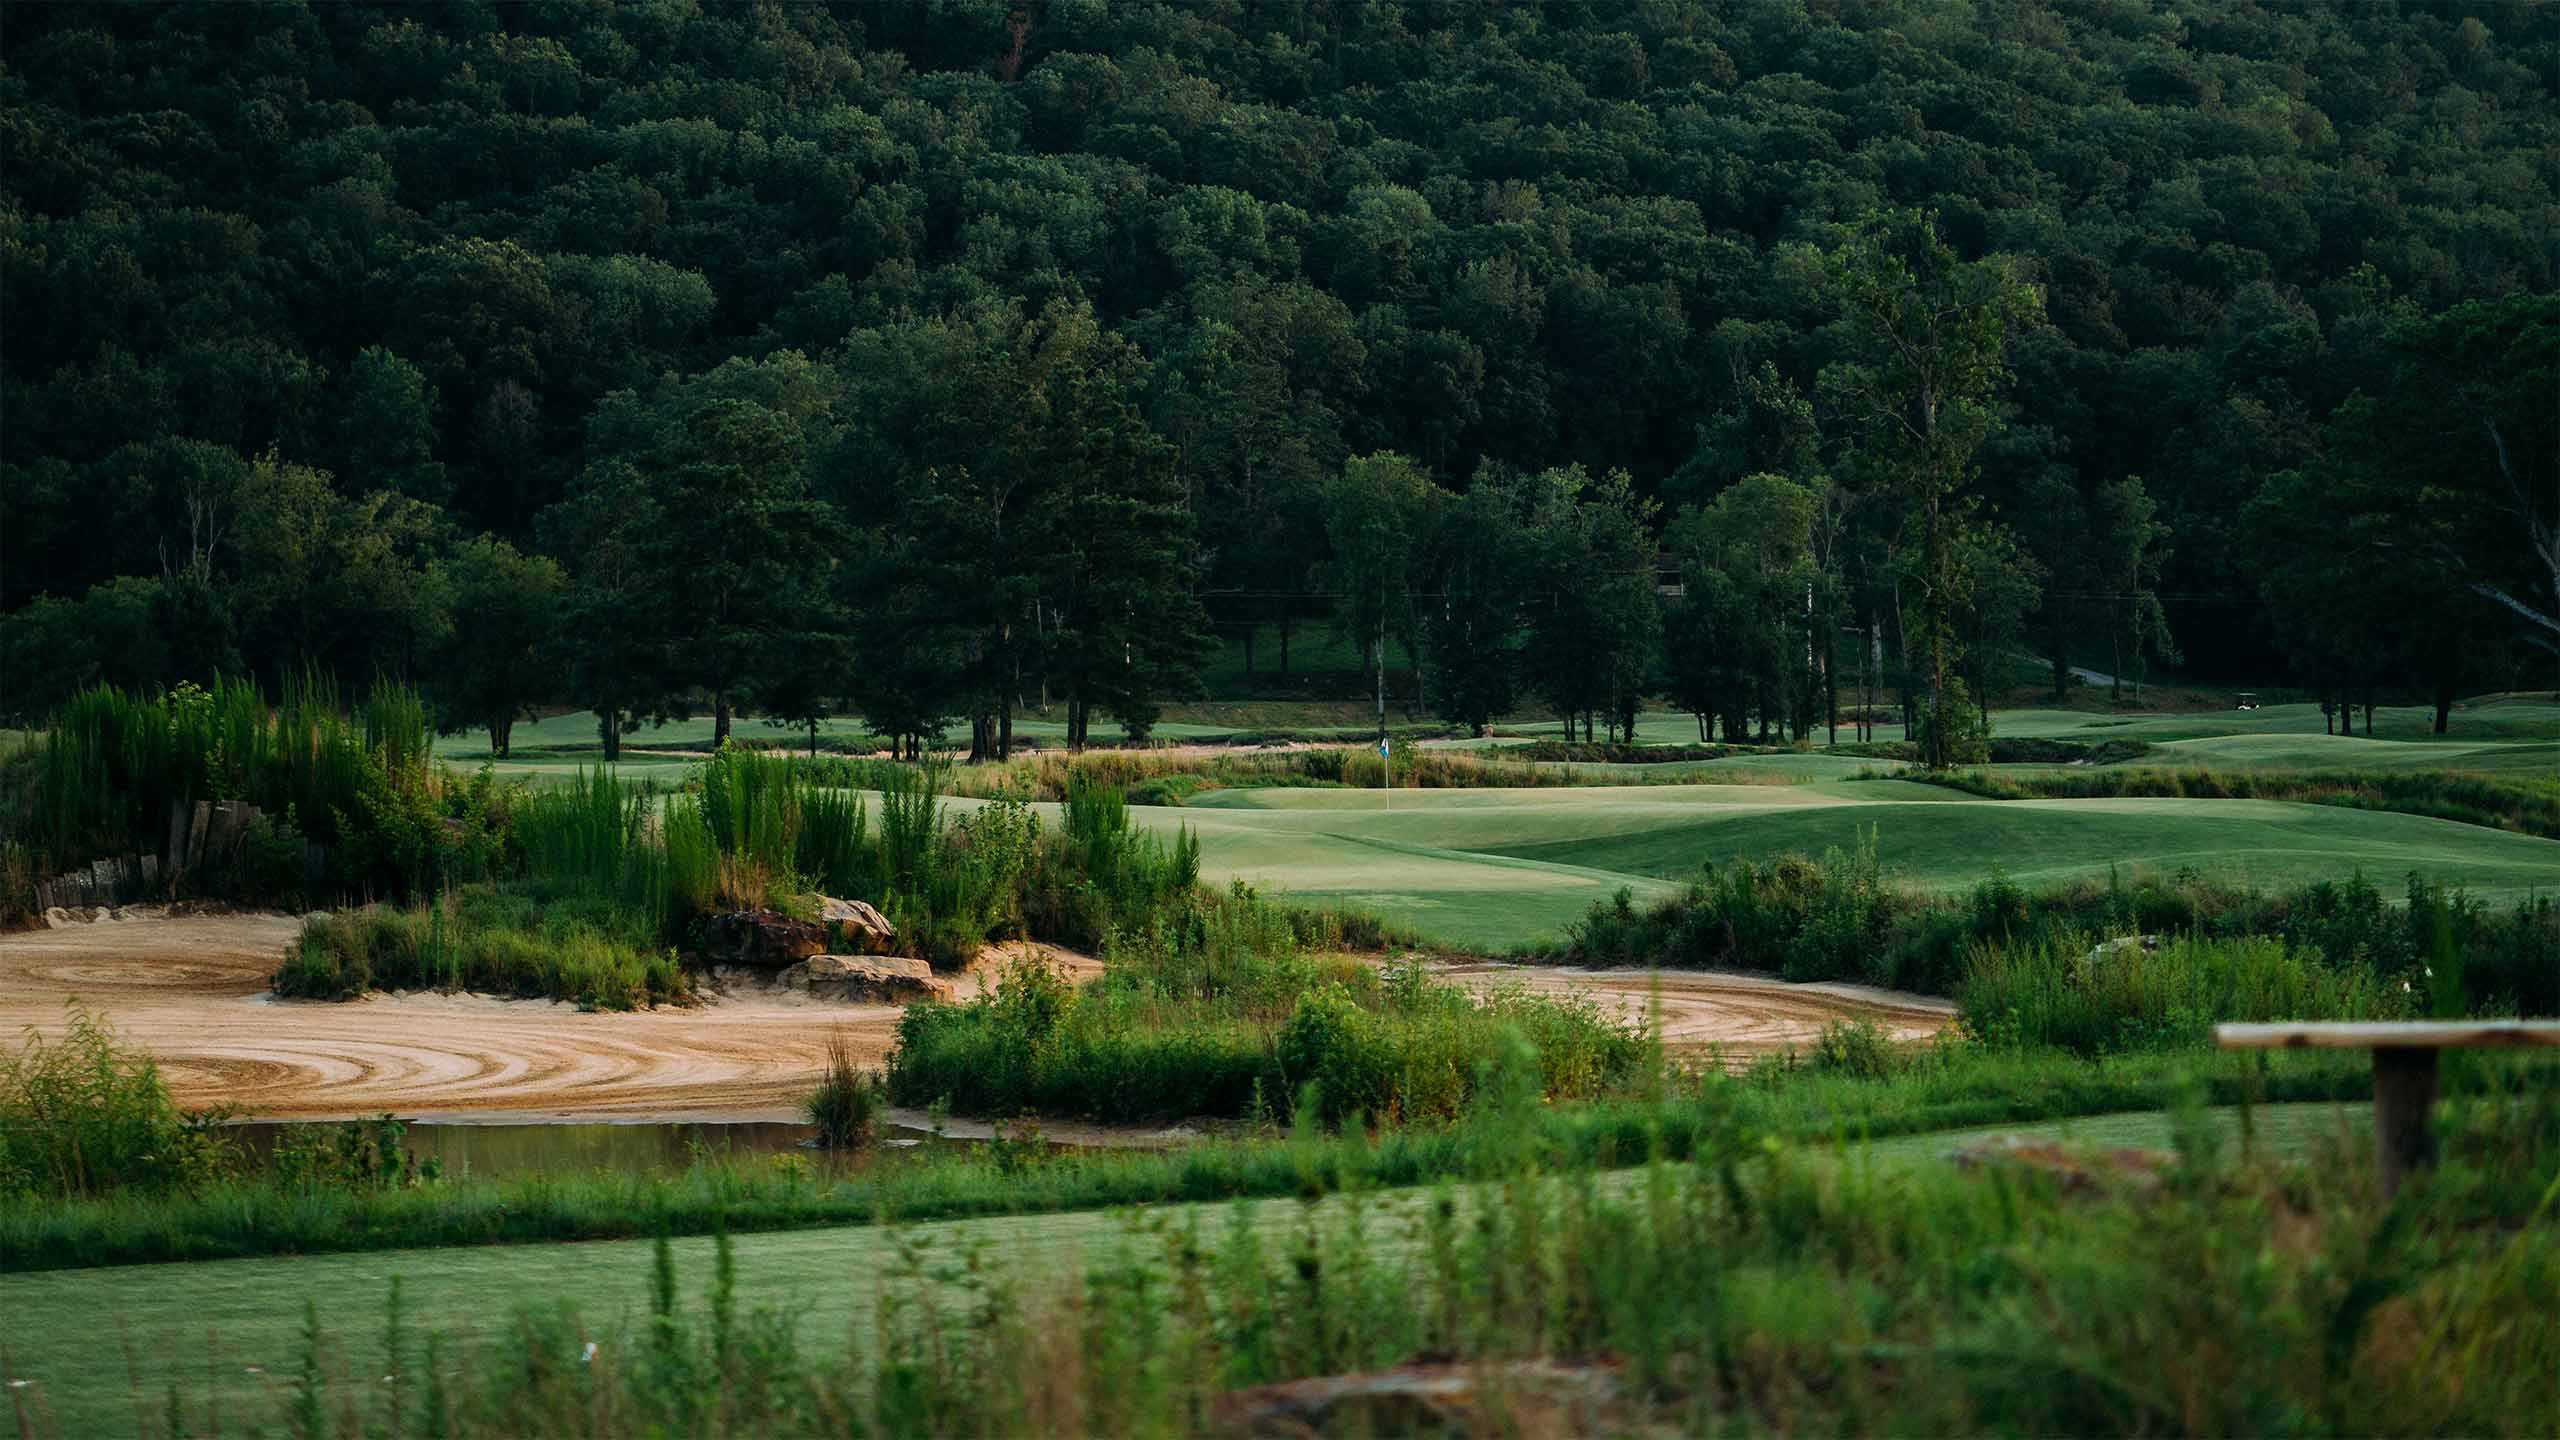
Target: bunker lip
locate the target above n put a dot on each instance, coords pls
(192, 993)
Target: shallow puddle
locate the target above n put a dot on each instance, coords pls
(643, 1149)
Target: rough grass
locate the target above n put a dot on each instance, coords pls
(2245, 1294)
(1216, 1009)
(572, 946)
(1942, 1088)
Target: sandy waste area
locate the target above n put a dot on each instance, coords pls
(192, 992)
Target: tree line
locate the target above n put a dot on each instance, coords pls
(660, 357)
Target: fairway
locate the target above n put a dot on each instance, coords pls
(100, 1345)
(1499, 869)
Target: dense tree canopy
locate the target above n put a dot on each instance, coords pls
(1057, 330)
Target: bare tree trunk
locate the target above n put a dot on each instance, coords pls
(502, 729)
(608, 725)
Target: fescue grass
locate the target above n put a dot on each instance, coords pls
(846, 1105)
(1216, 1009)
(569, 945)
(2061, 992)
(603, 877)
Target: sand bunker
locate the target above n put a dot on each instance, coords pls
(193, 993)
(1740, 1016)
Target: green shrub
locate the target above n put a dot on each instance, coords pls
(1843, 918)
(80, 1115)
(111, 768)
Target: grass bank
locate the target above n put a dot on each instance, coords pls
(2225, 1293)
(2528, 805)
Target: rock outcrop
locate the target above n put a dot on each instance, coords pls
(875, 979)
(762, 939)
(859, 927)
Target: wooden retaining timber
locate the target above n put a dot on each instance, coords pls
(210, 833)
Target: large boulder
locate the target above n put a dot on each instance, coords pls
(875, 979)
(857, 925)
(764, 939)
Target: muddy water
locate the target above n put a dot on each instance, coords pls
(495, 1151)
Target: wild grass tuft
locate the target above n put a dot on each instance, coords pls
(846, 1105)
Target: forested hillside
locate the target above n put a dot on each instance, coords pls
(931, 360)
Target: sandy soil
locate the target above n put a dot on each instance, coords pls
(193, 993)
(1735, 1015)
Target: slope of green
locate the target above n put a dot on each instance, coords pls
(2265, 843)
(1496, 869)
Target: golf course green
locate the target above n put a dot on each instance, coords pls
(1495, 870)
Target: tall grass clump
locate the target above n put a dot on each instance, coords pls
(1104, 874)
(82, 1115)
(590, 948)
(846, 1105)
(593, 834)
(1213, 1008)
(2063, 992)
(112, 768)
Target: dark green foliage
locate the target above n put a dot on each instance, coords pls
(1843, 918)
(304, 297)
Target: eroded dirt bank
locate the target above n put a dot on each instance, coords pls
(193, 993)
